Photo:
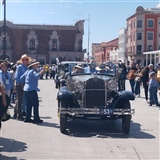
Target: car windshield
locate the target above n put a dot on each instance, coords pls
(107, 68)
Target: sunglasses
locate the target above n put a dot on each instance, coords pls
(25, 59)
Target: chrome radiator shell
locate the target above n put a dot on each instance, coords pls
(94, 94)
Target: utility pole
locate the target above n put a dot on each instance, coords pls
(88, 36)
(4, 30)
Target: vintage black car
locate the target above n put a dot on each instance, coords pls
(94, 96)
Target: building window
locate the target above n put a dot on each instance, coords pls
(150, 24)
(42, 61)
(139, 49)
(149, 48)
(32, 44)
(80, 45)
(139, 23)
(131, 38)
(133, 49)
(2, 44)
(150, 36)
(126, 38)
(139, 36)
(54, 44)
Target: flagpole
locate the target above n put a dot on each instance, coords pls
(4, 29)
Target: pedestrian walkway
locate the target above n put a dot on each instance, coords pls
(27, 141)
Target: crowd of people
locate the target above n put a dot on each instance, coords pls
(147, 77)
(20, 82)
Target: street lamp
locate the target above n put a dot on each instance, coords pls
(88, 36)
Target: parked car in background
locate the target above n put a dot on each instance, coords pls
(63, 70)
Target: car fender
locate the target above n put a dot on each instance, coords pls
(66, 98)
(121, 98)
(127, 95)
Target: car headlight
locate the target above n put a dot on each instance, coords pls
(112, 85)
(79, 85)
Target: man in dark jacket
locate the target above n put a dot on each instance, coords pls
(122, 76)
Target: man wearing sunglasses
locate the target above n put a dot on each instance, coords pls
(20, 70)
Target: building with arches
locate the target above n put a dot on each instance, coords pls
(46, 43)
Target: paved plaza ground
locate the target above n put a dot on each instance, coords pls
(85, 140)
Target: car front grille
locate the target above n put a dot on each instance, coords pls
(94, 95)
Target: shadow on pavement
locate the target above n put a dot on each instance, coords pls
(46, 117)
(11, 145)
(47, 124)
(104, 129)
(2, 157)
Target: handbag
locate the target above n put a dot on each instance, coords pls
(137, 79)
(6, 116)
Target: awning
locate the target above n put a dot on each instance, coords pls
(152, 52)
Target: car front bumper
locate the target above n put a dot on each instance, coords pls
(96, 111)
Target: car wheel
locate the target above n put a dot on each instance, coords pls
(63, 123)
(63, 120)
(126, 120)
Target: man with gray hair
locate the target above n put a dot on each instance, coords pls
(20, 70)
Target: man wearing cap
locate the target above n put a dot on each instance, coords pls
(20, 70)
(30, 81)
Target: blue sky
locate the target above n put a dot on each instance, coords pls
(106, 16)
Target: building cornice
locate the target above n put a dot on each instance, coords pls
(38, 26)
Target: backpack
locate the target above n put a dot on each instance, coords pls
(131, 74)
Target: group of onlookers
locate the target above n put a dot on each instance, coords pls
(50, 71)
(20, 81)
(149, 78)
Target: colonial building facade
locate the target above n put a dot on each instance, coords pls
(46, 43)
(101, 51)
(143, 34)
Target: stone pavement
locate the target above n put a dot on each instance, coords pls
(85, 140)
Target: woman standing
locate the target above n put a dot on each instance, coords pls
(131, 76)
(30, 79)
(6, 78)
(137, 80)
(3, 103)
(145, 77)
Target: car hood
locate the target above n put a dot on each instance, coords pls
(84, 78)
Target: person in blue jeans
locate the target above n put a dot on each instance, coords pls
(131, 76)
(153, 88)
(30, 79)
(137, 81)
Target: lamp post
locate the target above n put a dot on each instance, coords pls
(4, 31)
(88, 36)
